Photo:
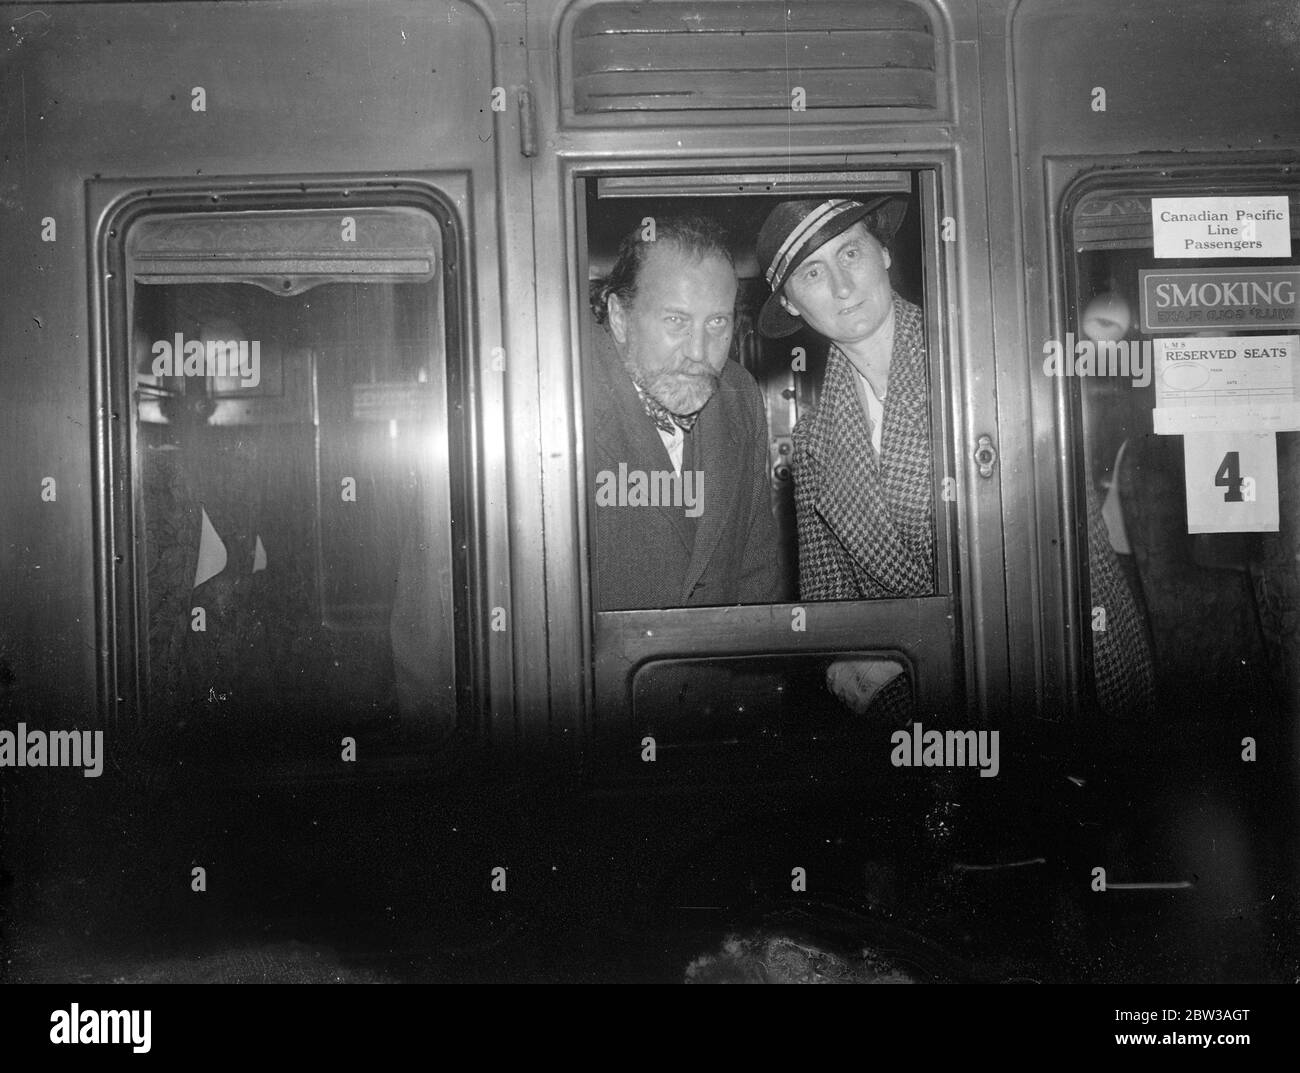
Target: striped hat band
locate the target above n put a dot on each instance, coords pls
(809, 225)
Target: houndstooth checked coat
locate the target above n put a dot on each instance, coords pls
(866, 525)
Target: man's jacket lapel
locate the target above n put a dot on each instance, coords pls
(718, 455)
(624, 433)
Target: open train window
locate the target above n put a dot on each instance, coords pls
(1182, 348)
(296, 523)
(723, 641)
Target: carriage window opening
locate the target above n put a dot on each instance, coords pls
(746, 447)
(831, 380)
(293, 495)
(1193, 587)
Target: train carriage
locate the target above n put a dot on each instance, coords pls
(300, 418)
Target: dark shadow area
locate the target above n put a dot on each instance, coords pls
(917, 874)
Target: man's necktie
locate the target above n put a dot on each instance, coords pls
(665, 420)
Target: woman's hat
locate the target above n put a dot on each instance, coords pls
(794, 229)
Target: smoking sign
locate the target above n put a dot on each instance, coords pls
(1179, 299)
(1221, 226)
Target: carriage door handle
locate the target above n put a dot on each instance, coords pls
(986, 455)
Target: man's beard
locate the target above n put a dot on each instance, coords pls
(678, 394)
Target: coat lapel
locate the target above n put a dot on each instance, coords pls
(881, 514)
(718, 456)
(625, 433)
(850, 497)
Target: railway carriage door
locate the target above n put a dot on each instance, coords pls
(1150, 334)
(256, 130)
(1149, 327)
(687, 108)
(332, 535)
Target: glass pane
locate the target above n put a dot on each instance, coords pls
(292, 501)
(865, 529)
(696, 702)
(1211, 613)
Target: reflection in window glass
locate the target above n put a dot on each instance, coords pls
(1217, 608)
(295, 535)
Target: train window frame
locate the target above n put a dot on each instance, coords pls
(621, 643)
(1120, 180)
(121, 612)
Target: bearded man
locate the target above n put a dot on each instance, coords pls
(678, 483)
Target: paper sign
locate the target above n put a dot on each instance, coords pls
(1231, 482)
(1231, 298)
(1221, 226)
(1244, 383)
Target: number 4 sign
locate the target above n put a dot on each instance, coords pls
(1231, 482)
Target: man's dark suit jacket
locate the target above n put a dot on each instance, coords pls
(655, 556)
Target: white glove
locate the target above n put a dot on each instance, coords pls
(856, 681)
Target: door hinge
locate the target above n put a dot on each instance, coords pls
(527, 123)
